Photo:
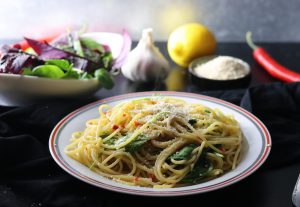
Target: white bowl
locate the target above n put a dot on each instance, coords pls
(16, 90)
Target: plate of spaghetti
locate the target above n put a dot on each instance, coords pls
(160, 143)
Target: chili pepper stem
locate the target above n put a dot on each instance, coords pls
(250, 41)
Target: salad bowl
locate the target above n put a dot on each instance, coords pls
(16, 90)
(20, 89)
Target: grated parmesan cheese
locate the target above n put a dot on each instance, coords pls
(223, 68)
(172, 109)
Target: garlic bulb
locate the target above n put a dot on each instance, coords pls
(145, 62)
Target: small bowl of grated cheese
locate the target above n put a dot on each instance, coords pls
(220, 72)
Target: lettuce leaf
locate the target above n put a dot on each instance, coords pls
(48, 71)
(61, 63)
(14, 60)
(105, 78)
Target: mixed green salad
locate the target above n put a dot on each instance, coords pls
(69, 56)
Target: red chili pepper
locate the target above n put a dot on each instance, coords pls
(152, 176)
(274, 68)
(115, 126)
(136, 179)
(222, 149)
(136, 123)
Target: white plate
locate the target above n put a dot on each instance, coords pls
(257, 137)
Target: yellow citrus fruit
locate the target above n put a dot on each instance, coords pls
(190, 41)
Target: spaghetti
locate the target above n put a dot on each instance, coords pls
(158, 142)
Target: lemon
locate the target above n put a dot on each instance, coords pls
(190, 41)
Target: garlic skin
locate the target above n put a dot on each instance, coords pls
(145, 62)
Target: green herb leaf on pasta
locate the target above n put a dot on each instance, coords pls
(201, 169)
(192, 121)
(184, 153)
(111, 141)
(137, 143)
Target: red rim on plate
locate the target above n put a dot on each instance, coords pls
(265, 150)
